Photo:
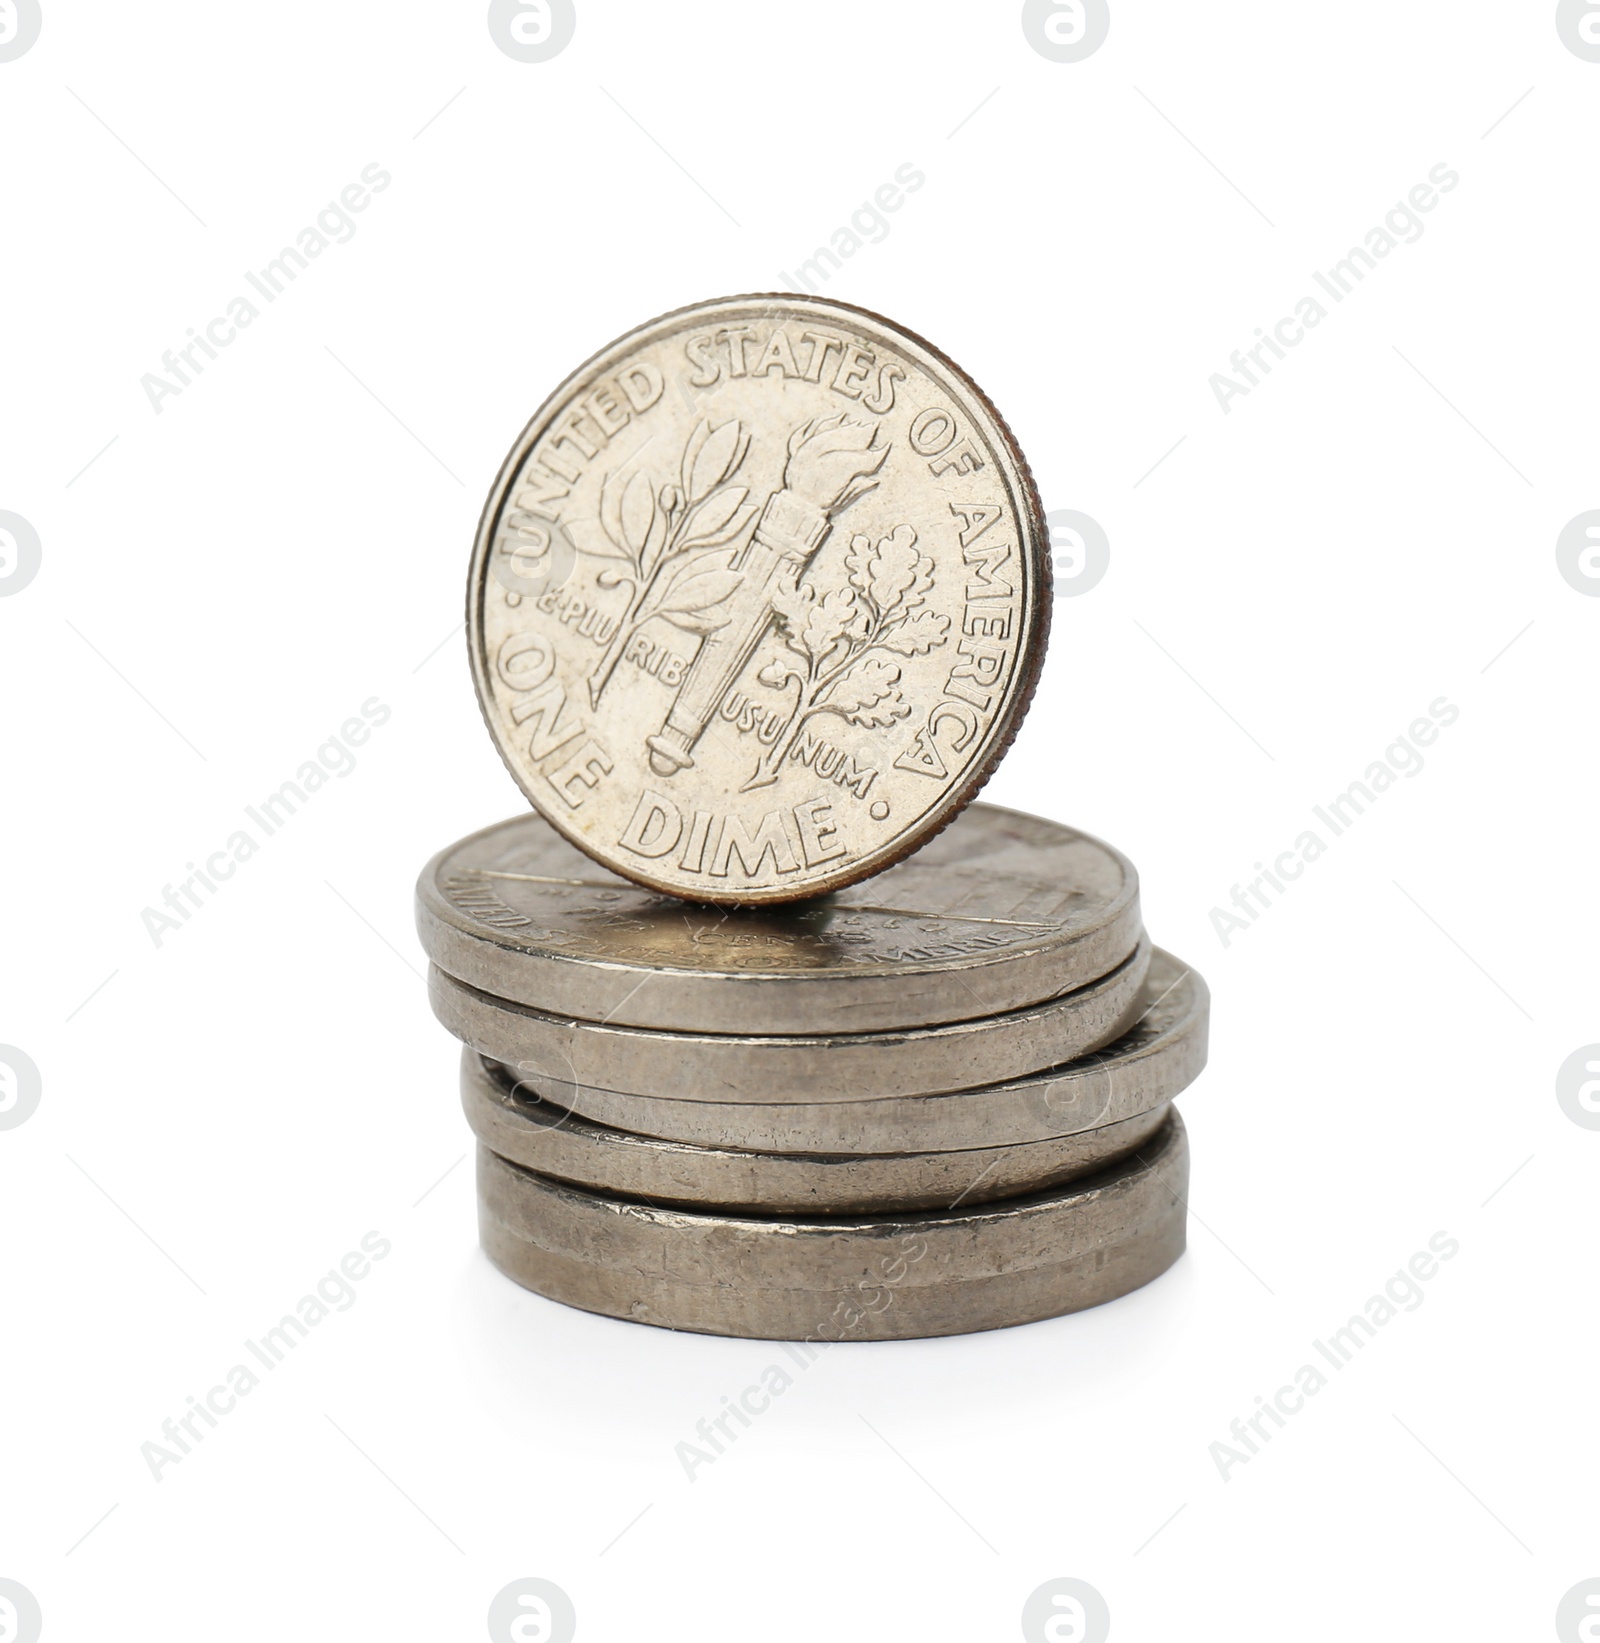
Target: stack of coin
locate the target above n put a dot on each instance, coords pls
(934, 1102)
(769, 1030)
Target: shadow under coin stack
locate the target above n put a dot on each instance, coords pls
(933, 1102)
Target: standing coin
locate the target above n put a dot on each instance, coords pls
(565, 1058)
(894, 1277)
(758, 599)
(999, 911)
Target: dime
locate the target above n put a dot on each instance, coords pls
(758, 599)
(1153, 1062)
(999, 911)
(514, 1123)
(933, 1272)
(566, 1058)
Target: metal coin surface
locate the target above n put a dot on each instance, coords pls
(759, 599)
(894, 1277)
(515, 1124)
(999, 911)
(1154, 1061)
(566, 1057)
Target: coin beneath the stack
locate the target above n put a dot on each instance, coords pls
(759, 599)
(568, 1057)
(896, 1277)
(514, 1123)
(1000, 911)
(1153, 1062)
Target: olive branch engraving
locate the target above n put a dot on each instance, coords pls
(878, 608)
(665, 540)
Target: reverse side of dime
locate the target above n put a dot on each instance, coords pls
(1000, 911)
(938, 1272)
(1155, 1061)
(515, 1124)
(758, 599)
(576, 1056)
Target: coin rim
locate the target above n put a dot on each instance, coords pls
(563, 1145)
(1033, 633)
(783, 1063)
(679, 996)
(1180, 1053)
(776, 1249)
(782, 1228)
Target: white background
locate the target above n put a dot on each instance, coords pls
(228, 581)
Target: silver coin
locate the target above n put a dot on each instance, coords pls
(514, 1123)
(565, 1057)
(759, 599)
(1158, 1058)
(897, 1277)
(999, 911)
